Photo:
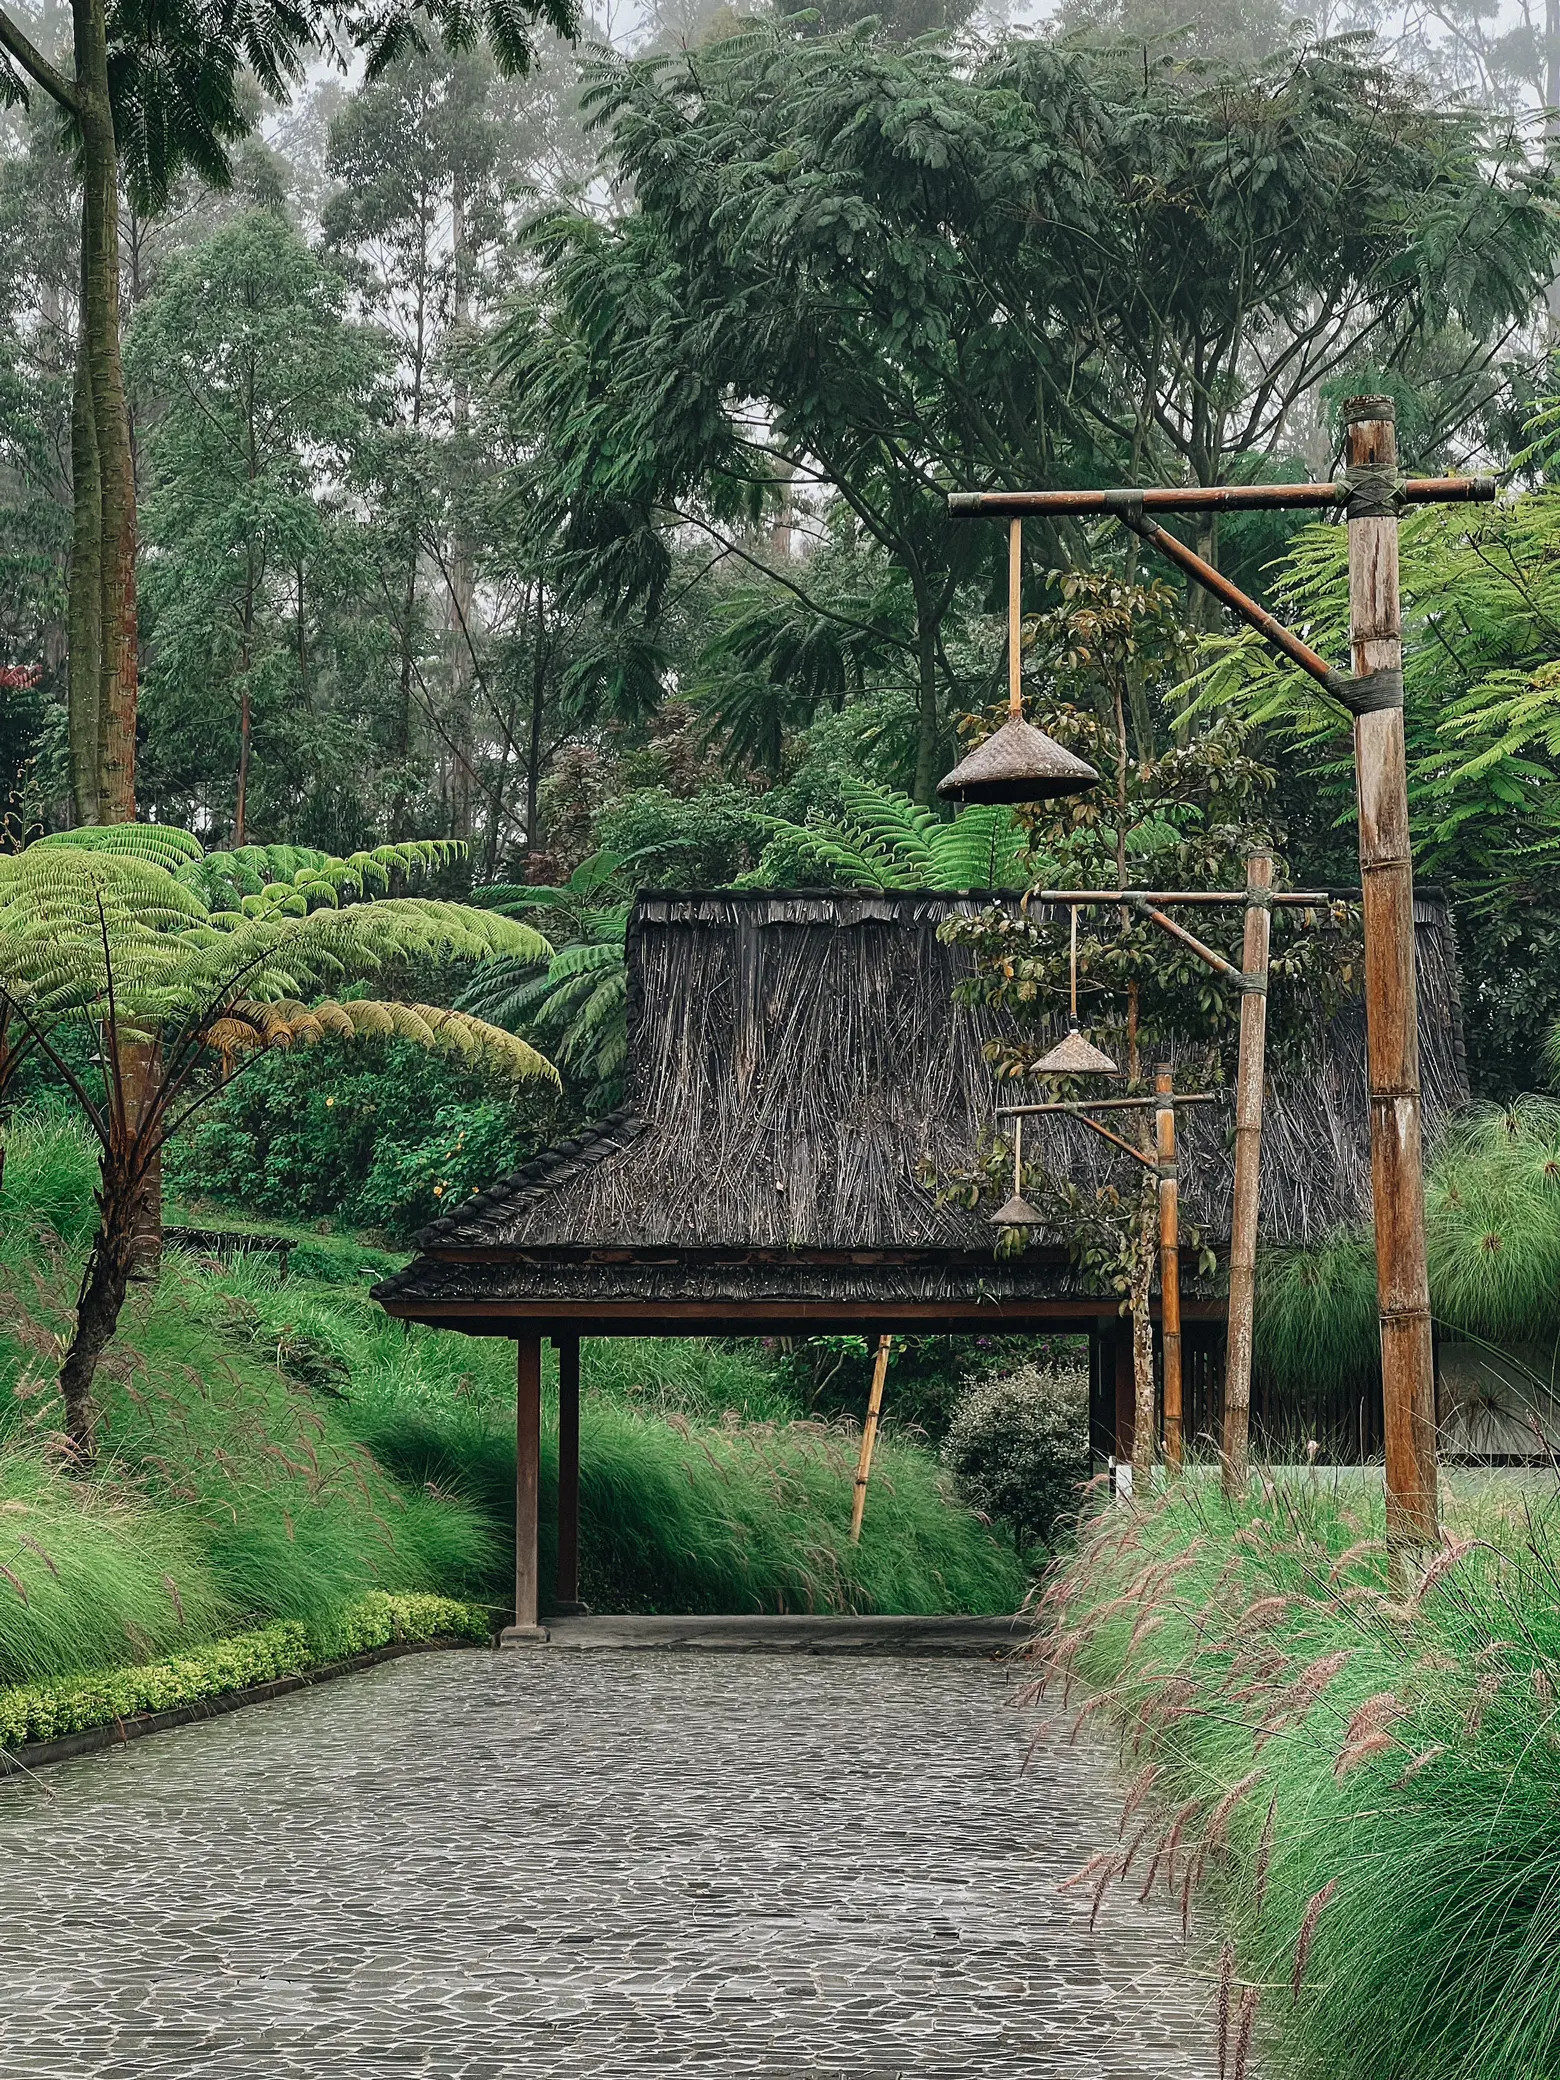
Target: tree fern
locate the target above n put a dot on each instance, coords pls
(102, 932)
(883, 839)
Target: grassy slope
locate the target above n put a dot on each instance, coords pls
(275, 1449)
(1371, 1789)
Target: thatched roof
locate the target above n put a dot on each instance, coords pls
(795, 1060)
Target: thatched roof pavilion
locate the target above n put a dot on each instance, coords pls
(796, 1061)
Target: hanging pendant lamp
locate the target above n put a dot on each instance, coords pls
(1019, 763)
(1073, 1055)
(1018, 1213)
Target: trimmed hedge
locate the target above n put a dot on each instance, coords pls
(47, 1711)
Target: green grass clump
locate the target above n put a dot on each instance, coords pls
(1368, 1787)
(1492, 1231)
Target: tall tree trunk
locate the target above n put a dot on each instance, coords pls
(460, 631)
(84, 607)
(117, 658)
(1145, 1421)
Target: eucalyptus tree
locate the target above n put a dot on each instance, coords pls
(147, 92)
(889, 272)
(261, 395)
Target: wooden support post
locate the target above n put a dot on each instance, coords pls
(869, 1437)
(1250, 1074)
(1391, 994)
(526, 1630)
(1169, 1262)
(566, 1590)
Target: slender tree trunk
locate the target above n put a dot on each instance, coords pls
(533, 749)
(463, 586)
(84, 607)
(241, 807)
(927, 719)
(141, 1080)
(99, 1303)
(117, 663)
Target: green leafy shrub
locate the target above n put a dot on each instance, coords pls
(345, 1133)
(1018, 1448)
(47, 1711)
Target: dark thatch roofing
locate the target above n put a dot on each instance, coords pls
(796, 1058)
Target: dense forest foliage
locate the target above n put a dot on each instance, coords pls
(543, 445)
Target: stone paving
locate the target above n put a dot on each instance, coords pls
(596, 1867)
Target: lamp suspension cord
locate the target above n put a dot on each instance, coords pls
(1072, 956)
(1015, 619)
(1018, 1156)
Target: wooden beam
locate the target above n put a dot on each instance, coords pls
(555, 1316)
(566, 1589)
(1391, 992)
(1203, 498)
(1126, 1393)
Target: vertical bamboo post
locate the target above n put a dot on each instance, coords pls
(566, 1590)
(869, 1437)
(1015, 620)
(1169, 1262)
(1250, 1073)
(1391, 995)
(528, 1464)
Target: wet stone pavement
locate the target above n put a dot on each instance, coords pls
(478, 1865)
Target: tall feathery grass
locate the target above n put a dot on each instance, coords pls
(1365, 1791)
(275, 1447)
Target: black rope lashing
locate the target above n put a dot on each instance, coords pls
(1370, 694)
(1373, 494)
(1127, 507)
(1252, 985)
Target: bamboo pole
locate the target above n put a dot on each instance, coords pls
(1391, 994)
(1015, 621)
(1203, 498)
(869, 1437)
(1250, 1074)
(1169, 1262)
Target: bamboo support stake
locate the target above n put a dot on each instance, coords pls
(869, 1432)
(1391, 993)
(1169, 1262)
(566, 1587)
(1250, 1074)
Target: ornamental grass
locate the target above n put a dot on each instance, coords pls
(1363, 1791)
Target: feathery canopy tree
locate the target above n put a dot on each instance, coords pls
(180, 992)
(876, 272)
(153, 88)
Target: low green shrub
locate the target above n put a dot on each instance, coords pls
(47, 1711)
(1367, 1788)
(1018, 1448)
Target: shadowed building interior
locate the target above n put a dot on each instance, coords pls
(798, 1073)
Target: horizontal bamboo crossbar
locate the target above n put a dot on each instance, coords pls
(1225, 498)
(1108, 1104)
(1085, 898)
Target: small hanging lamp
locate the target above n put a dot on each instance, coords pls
(1018, 1213)
(1073, 1055)
(1019, 763)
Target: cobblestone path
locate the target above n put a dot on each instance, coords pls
(471, 1866)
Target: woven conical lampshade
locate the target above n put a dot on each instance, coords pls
(1017, 1213)
(1019, 764)
(1075, 1056)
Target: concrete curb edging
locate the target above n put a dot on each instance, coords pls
(972, 1638)
(114, 1733)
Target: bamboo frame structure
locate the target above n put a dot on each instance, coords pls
(1369, 496)
(1250, 1078)
(869, 1431)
